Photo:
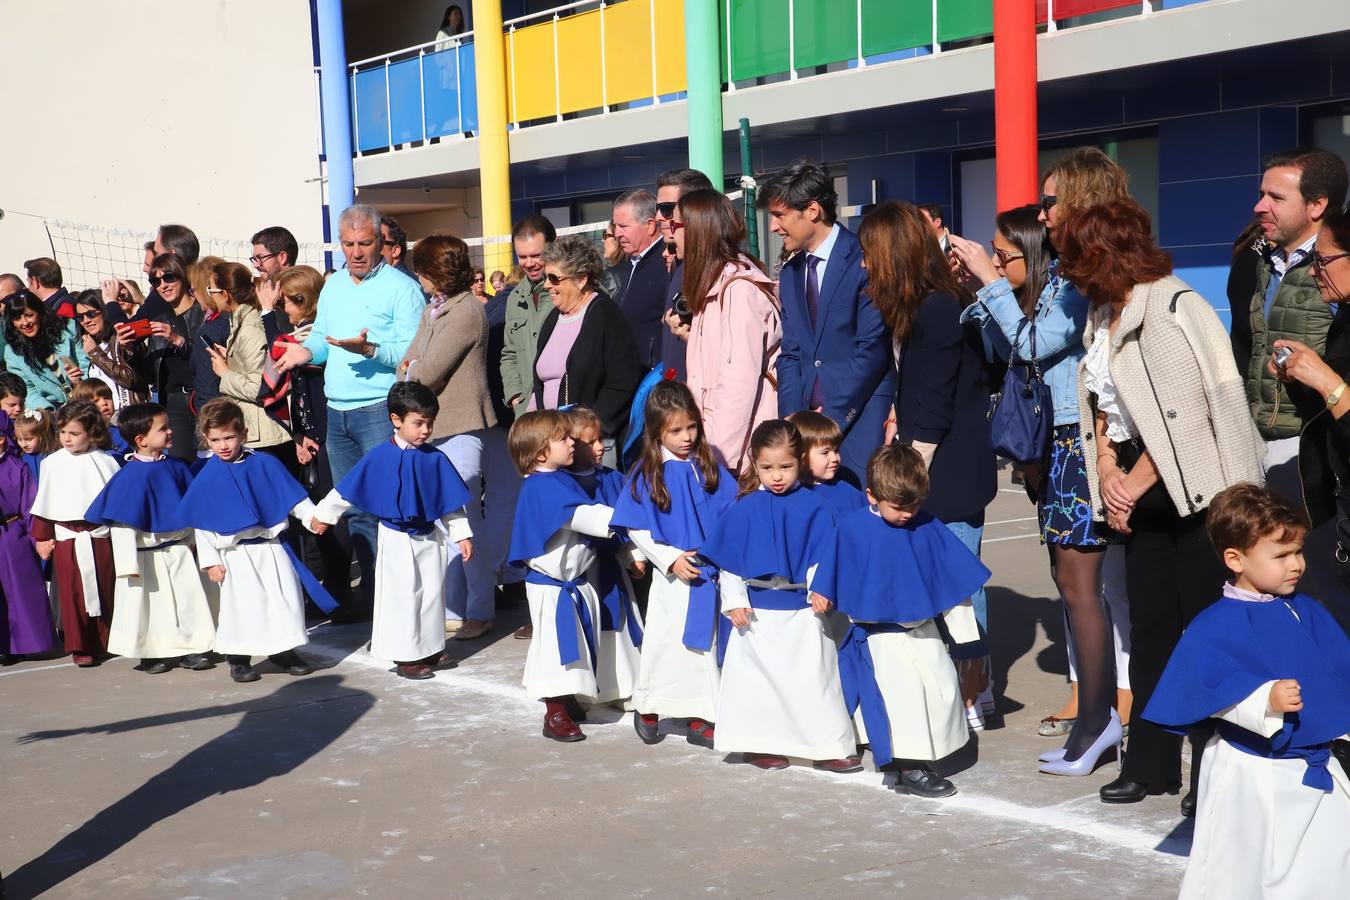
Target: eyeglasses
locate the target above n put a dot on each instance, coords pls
(1004, 257)
(477, 279)
(556, 280)
(666, 210)
(675, 224)
(1048, 201)
(297, 299)
(166, 278)
(88, 315)
(259, 260)
(215, 290)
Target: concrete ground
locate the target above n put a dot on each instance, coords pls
(354, 783)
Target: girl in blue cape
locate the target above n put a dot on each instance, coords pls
(418, 497)
(780, 694)
(238, 503)
(161, 610)
(620, 632)
(894, 572)
(1272, 665)
(821, 438)
(673, 500)
(554, 537)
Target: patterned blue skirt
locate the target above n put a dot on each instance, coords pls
(1065, 508)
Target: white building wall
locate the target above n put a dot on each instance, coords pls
(137, 112)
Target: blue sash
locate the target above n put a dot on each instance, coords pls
(858, 677)
(317, 592)
(700, 621)
(566, 617)
(1315, 776)
(616, 610)
(777, 598)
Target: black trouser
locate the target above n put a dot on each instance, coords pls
(183, 424)
(1172, 573)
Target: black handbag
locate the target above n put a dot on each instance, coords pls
(1021, 415)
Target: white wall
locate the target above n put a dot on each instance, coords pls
(137, 112)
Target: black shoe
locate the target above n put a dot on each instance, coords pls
(924, 783)
(510, 596)
(1122, 790)
(197, 662)
(243, 673)
(8, 659)
(155, 666)
(291, 662)
(1188, 805)
(350, 615)
(650, 733)
(701, 737)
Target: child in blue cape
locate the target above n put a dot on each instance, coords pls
(161, 613)
(780, 694)
(238, 503)
(673, 500)
(418, 497)
(620, 633)
(821, 438)
(1272, 665)
(35, 435)
(894, 571)
(554, 537)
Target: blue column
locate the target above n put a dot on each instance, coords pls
(337, 110)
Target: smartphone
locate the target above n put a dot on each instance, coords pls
(67, 362)
(140, 328)
(206, 342)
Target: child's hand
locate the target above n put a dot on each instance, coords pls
(974, 679)
(466, 550)
(317, 527)
(740, 617)
(638, 568)
(1286, 696)
(820, 604)
(46, 548)
(216, 573)
(685, 570)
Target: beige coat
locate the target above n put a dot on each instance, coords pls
(449, 355)
(1173, 367)
(245, 350)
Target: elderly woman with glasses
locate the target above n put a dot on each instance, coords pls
(586, 352)
(108, 360)
(42, 349)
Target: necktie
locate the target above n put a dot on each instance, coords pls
(812, 287)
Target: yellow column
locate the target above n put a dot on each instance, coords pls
(494, 155)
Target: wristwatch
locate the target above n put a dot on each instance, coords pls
(1335, 396)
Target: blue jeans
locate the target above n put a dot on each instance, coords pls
(970, 536)
(352, 433)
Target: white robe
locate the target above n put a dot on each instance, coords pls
(566, 556)
(160, 608)
(1259, 831)
(617, 659)
(673, 681)
(780, 691)
(920, 687)
(262, 606)
(408, 624)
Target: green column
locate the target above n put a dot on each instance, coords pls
(702, 61)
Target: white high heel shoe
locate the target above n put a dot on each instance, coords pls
(1111, 736)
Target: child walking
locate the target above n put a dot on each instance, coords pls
(82, 565)
(895, 570)
(780, 694)
(238, 504)
(418, 497)
(821, 438)
(162, 613)
(553, 537)
(674, 499)
(1273, 666)
(25, 611)
(620, 633)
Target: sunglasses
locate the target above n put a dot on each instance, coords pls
(166, 278)
(477, 279)
(1048, 201)
(666, 210)
(88, 315)
(556, 280)
(675, 225)
(1004, 257)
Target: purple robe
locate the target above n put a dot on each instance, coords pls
(25, 611)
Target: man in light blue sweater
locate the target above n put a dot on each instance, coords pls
(368, 314)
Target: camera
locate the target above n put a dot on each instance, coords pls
(1281, 356)
(681, 307)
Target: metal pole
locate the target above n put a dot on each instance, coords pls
(1015, 138)
(703, 71)
(747, 182)
(337, 123)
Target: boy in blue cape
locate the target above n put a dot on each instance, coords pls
(821, 474)
(418, 497)
(1273, 667)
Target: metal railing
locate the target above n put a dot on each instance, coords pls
(414, 94)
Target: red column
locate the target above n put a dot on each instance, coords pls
(1015, 102)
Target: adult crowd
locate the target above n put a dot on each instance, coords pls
(902, 331)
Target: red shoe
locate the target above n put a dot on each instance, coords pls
(766, 761)
(700, 733)
(415, 671)
(84, 660)
(847, 764)
(558, 726)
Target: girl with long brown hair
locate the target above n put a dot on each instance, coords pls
(735, 332)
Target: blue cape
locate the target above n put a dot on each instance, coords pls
(120, 448)
(766, 534)
(547, 501)
(887, 573)
(34, 462)
(616, 605)
(143, 495)
(841, 497)
(1235, 646)
(227, 498)
(693, 515)
(405, 489)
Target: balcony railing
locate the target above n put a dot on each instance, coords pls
(419, 93)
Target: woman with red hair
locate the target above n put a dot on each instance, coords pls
(1170, 430)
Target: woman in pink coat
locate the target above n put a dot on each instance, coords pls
(735, 330)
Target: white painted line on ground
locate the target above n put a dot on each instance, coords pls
(1010, 521)
(1013, 537)
(61, 665)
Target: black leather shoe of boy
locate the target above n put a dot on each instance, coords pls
(155, 666)
(292, 663)
(647, 728)
(1188, 805)
(197, 662)
(924, 783)
(1122, 790)
(243, 673)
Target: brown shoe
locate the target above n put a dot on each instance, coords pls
(452, 626)
(415, 671)
(558, 726)
(766, 761)
(847, 764)
(472, 629)
(84, 660)
(523, 633)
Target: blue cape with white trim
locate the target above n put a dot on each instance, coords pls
(409, 490)
(841, 497)
(144, 495)
(547, 502)
(765, 534)
(227, 498)
(694, 513)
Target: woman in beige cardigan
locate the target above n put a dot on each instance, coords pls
(449, 355)
(1172, 429)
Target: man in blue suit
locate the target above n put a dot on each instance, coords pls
(836, 354)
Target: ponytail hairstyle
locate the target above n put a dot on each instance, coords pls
(666, 399)
(773, 433)
(236, 280)
(87, 416)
